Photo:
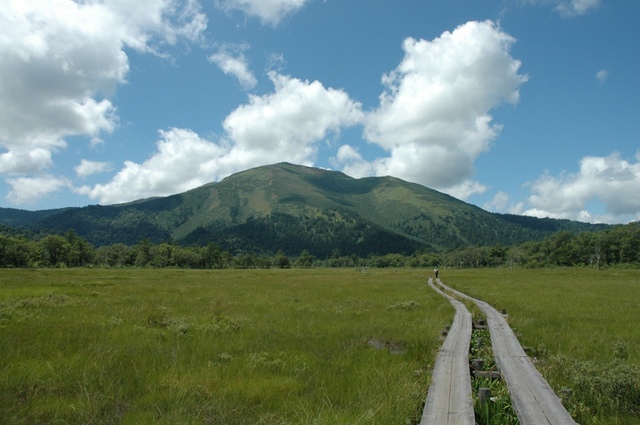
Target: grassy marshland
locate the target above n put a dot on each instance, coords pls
(581, 326)
(169, 346)
(323, 346)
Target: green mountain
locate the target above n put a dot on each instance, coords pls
(292, 208)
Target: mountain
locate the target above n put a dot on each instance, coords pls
(292, 208)
(21, 218)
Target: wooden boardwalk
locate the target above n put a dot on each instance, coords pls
(533, 399)
(449, 400)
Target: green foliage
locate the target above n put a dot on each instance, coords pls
(404, 305)
(246, 219)
(291, 208)
(281, 261)
(498, 409)
(615, 247)
(577, 326)
(168, 346)
(598, 390)
(480, 348)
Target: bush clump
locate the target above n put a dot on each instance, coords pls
(404, 305)
(599, 389)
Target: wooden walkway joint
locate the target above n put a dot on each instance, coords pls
(532, 398)
(449, 400)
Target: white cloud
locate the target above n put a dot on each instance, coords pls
(269, 12)
(25, 161)
(235, 65)
(282, 126)
(62, 59)
(276, 62)
(498, 203)
(570, 8)
(567, 8)
(602, 75)
(349, 159)
(434, 117)
(285, 125)
(501, 203)
(466, 189)
(183, 161)
(348, 153)
(87, 168)
(27, 190)
(610, 180)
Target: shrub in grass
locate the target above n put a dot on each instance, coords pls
(597, 390)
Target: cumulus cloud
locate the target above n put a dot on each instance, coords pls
(25, 161)
(87, 168)
(232, 62)
(610, 180)
(498, 203)
(281, 126)
(433, 117)
(270, 12)
(285, 125)
(183, 161)
(62, 59)
(26, 190)
(351, 162)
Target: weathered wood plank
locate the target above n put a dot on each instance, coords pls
(533, 399)
(449, 399)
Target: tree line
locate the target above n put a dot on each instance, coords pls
(617, 246)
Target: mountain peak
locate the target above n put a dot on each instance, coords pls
(292, 207)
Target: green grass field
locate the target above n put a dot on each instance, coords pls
(320, 346)
(582, 327)
(138, 346)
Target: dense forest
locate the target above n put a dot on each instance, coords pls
(618, 246)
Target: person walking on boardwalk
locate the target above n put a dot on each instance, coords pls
(435, 271)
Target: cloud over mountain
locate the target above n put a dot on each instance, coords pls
(433, 117)
(284, 125)
(111, 101)
(61, 62)
(610, 180)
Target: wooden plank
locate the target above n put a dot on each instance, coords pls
(449, 400)
(533, 399)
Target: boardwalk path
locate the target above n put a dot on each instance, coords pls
(533, 399)
(449, 399)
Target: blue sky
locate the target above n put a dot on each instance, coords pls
(523, 106)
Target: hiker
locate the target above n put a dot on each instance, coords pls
(436, 272)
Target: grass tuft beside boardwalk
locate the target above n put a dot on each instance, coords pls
(580, 326)
(219, 347)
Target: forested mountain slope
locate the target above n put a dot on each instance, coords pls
(290, 208)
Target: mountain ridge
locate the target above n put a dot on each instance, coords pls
(292, 208)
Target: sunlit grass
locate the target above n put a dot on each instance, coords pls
(581, 327)
(219, 347)
(293, 346)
